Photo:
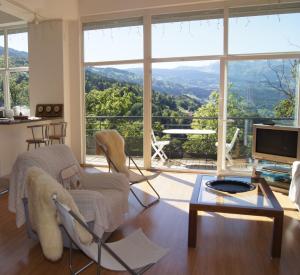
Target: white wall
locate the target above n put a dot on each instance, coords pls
(74, 96)
(140, 7)
(55, 73)
(46, 79)
(91, 7)
(13, 142)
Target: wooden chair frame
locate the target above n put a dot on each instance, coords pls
(37, 141)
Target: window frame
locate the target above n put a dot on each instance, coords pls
(7, 70)
(223, 58)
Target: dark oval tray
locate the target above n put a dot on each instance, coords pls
(230, 186)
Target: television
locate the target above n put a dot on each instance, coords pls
(276, 143)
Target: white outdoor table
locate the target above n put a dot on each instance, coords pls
(189, 132)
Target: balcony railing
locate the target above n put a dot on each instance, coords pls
(181, 146)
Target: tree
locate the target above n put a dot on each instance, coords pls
(18, 87)
(285, 77)
(206, 117)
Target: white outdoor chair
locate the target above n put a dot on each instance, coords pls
(135, 253)
(229, 146)
(158, 147)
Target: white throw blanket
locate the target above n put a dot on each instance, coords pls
(51, 161)
(294, 192)
(105, 202)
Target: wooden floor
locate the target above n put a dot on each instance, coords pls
(227, 244)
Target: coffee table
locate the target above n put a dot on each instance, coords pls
(258, 202)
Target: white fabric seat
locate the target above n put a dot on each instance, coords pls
(92, 201)
(135, 253)
(294, 192)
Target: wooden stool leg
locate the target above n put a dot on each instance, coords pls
(28, 146)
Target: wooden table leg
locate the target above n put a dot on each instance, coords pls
(192, 237)
(277, 235)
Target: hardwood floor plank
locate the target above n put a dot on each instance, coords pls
(227, 244)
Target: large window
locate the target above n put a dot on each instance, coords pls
(213, 73)
(114, 90)
(192, 34)
(262, 76)
(14, 74)
(113, 41)
(268, 33)
(185, 80)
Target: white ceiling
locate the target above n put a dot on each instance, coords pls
(7, 19)
(28, 10)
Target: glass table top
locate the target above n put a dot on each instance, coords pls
(256, 198)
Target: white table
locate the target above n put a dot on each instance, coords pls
(189, 132)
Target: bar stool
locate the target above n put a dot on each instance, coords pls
(57, 131)
(39, 135)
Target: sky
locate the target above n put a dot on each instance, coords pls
(17, 41)
(256, 34)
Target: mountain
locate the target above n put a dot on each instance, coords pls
(14, 53)
(248, 79)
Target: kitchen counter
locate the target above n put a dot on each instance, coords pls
(7, 121)
(13, 135)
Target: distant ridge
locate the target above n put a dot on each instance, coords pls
(249, 78)
(14, 53)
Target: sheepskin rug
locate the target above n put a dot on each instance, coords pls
(115, 145)
(43, 215)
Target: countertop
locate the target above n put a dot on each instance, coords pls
(29, 120)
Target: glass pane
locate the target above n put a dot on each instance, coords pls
(187, 38)
(265, 33)
(256, 198)
(114, 100)
(2, 49)
(260, 91)
(18, 49)
(185, 112)
(18, 87)
(119, 43)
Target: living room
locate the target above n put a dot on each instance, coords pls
(187, 109)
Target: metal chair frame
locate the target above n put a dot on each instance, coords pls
(130, 159)
(100, 243)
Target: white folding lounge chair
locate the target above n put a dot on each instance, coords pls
(106, 140)
(229, 146)
(158, 147)
(135, 253)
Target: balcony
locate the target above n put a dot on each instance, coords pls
(185, 152)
